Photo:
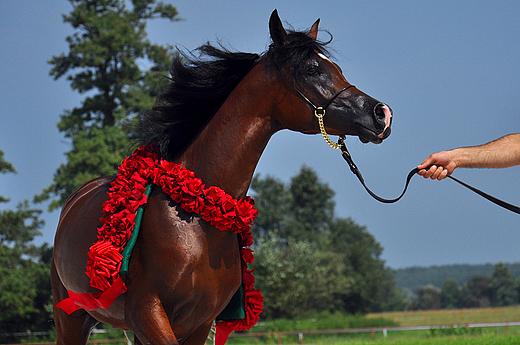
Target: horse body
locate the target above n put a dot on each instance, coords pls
(183, 271)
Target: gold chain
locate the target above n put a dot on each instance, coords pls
(320, 113)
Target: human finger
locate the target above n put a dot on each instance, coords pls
(443, 174)
(428, 173)
(427, 162)
(438, 172)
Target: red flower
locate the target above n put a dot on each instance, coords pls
(246, 238)
(247, 255)
(247, 278)
(193, 186)
(213, 214)
(191, 198)
(245, 211)
(254, 306)
(104, 261)
(118, 227)
(214, 195)
(228, 207)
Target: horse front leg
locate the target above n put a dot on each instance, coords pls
(198, 336)
(149, 321)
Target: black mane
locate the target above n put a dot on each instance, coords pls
(200, 85)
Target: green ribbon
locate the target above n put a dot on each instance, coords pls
(127, 252)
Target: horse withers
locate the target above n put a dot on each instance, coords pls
(215, 118)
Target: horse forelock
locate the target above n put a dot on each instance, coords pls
(298, 48)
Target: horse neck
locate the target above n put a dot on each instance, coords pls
(226, 152)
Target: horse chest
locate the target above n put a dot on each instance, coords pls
(187, 259)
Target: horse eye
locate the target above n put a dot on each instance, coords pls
(312, 71)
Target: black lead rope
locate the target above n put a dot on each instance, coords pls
(346, 155)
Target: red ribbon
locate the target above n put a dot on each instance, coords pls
(91, 301)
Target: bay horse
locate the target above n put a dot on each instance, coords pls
(216, 117)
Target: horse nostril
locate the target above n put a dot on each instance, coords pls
(383, 112)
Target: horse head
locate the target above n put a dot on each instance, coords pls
(314, 86)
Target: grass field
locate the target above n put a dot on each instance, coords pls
(437, 336)
(451, 317)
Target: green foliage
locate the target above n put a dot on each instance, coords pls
(303, 210)
(5, 167)
(413, 278)
(428, 298)
(25, 293)
(308, 260)
(296, 279)
(312, 205)
(272, 202)
(452, 330)
(502, 287)
(106, 52)
(321, 321)
(450, 294)
(475, 293)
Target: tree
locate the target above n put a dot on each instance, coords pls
(5, 167)
(296, 279)
(312, 205)
(272, 202)
(301, 210)
(476, 292)
(105, 53)
(372, 282)
(450, 294)
(502, 286)
(25, 293)
(299, 240)
(428, 298)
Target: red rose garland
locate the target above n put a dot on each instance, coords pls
(127, 193)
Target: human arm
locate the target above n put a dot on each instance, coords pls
(501, 153)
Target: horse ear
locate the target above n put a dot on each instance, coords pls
(313, 32)
(278, 33)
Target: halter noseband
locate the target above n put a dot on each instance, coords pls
(319, 112)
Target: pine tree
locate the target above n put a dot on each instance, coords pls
(106, 52)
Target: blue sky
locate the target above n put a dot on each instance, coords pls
(448, 69)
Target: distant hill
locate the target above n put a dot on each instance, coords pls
(413, 278)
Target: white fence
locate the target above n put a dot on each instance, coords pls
(302, 334)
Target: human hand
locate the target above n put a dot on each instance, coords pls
(441, 165)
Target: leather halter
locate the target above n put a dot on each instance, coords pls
(319, 111)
